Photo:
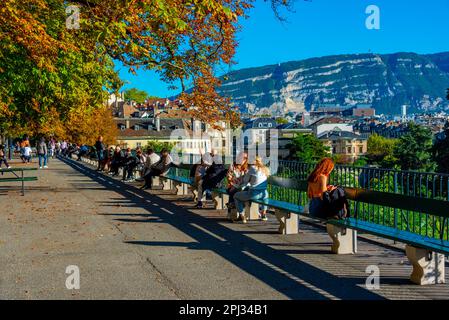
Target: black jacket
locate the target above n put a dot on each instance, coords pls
(336, 204)
(117, 158)
(214, 174)
(99, 146)
(131, 160)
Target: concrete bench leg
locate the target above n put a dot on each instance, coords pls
(220, 200)
(166, 184)
(252, 211)
(232, 214)
(179, 188)
(288, 222)
(194, 192)
(185, 189)
(428, 266)
(156, 181)
(343, 239)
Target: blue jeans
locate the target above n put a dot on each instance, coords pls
(42, 158)
(317, 208)
(247, 195)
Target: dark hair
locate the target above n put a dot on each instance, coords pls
(150, 150)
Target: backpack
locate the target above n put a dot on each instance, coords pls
(336, 204)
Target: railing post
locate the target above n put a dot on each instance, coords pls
(395, 185)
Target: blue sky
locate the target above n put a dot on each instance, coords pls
(326, 27)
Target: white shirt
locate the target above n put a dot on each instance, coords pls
(27, 151)
(254, 177)
(152, 159)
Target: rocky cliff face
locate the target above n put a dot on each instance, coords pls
(385, 81)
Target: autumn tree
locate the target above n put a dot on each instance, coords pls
(49, 73)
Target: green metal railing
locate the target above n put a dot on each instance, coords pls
(415, 184)
(411, 183)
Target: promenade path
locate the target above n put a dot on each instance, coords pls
(133, 244)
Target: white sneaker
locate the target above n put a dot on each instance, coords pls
(46, 167)
(40, 167)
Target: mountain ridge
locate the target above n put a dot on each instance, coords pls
(387, 81)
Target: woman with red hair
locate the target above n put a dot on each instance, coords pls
(317, 185)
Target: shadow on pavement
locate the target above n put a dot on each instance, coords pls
(284, 273)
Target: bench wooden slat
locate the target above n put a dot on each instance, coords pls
(430, 206)
(287, 206)
(404, 202)
(179, 179)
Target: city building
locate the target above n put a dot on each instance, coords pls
(349, 146)
(170, 122)
(330, 123)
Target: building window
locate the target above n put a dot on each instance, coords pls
(136, 127)
(349, 149)
(360, 149)
(122, 127)
(139, 144)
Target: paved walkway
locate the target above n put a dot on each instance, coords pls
(132, 244)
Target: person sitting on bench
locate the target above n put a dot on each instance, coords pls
(317, 185)
(130, 162)
(26, 154)
(234, 177)
(116, 161)
(151, 158)
(83, 150)
(142, 156)
(106, 163)
(198, 175)
(158, 169)
(255, 183)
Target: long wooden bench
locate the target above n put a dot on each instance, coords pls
(426, 254)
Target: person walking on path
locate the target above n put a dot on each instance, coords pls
(42, 153)
(52, 148)
(3, 157)
(99, 148)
